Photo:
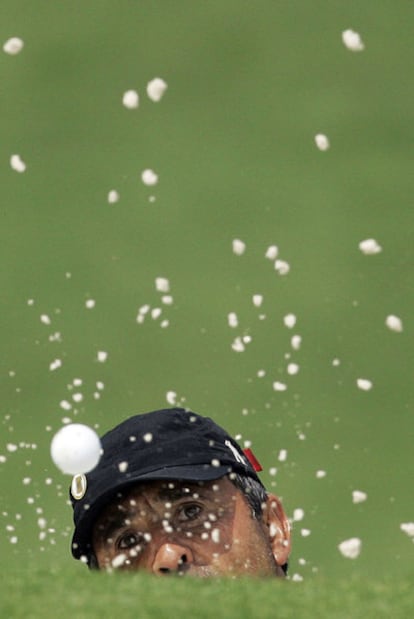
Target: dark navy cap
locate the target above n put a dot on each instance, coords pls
(172, 444)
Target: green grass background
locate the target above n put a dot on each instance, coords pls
(249, 86)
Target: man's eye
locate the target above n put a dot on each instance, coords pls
(129, 540)
(189, 512)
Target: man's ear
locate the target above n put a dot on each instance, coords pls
(278, 527)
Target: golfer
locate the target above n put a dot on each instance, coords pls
(174, 493)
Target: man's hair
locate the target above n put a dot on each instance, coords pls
(255, 494)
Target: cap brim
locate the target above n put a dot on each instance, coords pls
(82, 536)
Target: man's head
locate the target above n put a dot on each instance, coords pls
(174, 493)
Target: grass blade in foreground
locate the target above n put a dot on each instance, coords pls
(67, 593)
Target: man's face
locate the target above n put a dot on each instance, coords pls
(195, 528)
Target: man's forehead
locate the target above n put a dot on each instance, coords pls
(168, 491)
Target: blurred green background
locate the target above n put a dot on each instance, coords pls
(232, 140)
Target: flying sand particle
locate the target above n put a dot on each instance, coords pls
(322, 141)
(272, 252)
(17, 164)
(238, 344)
(149, 177)
(232, 320)
(171, 397)
(358, 496)
(282, 267)
(364, 384)
(156, 313)
(289, 320)
(298, 514)
(130, 99)
(408, 528)
(13, 46)
(352, 40)
(113, 196)
(162, 284)
(142, 311)
(370, 247)
(119, 560)
(42, 523)
(350, 548)
(257, 300)
(156, 89)
(215, 535)
(282, 457)
(394, 323)
(239, 247)
(292, 369)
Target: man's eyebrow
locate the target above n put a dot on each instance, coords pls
(176, 493)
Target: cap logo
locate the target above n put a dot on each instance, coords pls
(78, 486)
(236, 454)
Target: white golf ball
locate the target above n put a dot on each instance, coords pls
(76, 448)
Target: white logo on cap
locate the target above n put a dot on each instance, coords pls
(78, 486)
(235, 453)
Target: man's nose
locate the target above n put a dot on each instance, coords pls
(171, 559)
